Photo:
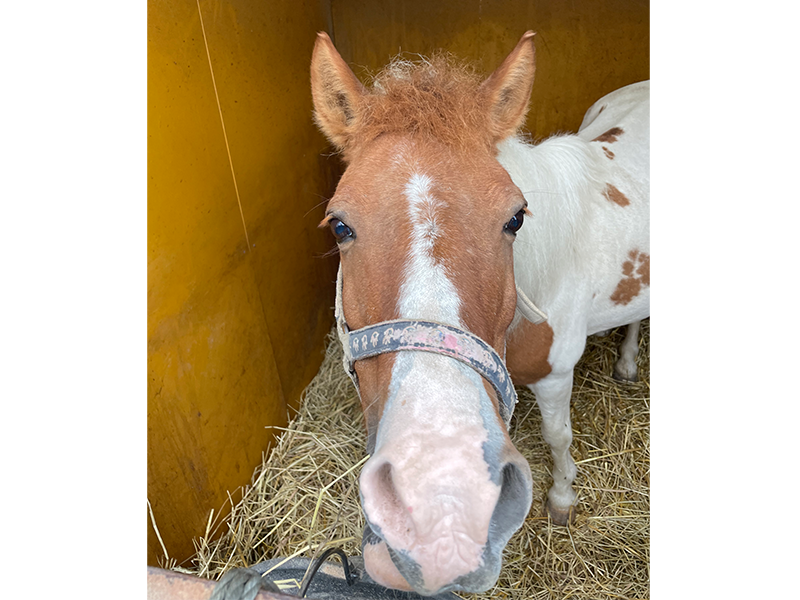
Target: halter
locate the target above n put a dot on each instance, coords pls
(429, 336)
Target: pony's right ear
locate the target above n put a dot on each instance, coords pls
(337, 92)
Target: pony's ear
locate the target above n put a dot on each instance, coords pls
(508, 90)
(337, 92)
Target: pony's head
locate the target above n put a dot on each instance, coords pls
(425, 219)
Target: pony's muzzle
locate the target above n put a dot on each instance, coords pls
(441, 533)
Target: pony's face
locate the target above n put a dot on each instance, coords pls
(425, 224)
(425, 233)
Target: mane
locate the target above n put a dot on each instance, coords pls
(434, 98)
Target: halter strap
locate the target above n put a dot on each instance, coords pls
(429, 336)
(528, 309)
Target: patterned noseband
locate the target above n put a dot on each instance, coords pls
(427, 336)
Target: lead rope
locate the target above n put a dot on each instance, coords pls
(349, 576)
(244, 584)
(241, 584)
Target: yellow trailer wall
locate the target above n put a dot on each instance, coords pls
(584, 48)
(235, 332)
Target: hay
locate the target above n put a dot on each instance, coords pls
(305, 494)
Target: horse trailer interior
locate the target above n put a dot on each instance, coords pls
(241, 280)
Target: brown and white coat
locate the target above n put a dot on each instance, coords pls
(427, 217)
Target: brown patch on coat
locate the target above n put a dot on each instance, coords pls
(527, 352)
(608, 152)
(617, 197)
(636, 274)
(609, 136)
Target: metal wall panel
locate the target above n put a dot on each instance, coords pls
(584, 48)
(234, 332)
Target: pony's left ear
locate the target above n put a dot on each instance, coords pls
(337, 92)
(508, 90)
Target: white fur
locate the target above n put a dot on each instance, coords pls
(568, 256)
(625, 367)
(427, 292)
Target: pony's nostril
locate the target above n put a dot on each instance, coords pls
(514, 503)
(384, 487)
(382, 500)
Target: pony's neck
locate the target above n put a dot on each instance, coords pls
(562, 180)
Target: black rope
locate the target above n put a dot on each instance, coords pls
(349, 577)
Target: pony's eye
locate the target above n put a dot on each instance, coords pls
(516, 222)
(340, 230)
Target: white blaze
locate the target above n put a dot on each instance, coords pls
(427, 292)
(432, 430)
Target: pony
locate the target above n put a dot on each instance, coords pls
(444, 298)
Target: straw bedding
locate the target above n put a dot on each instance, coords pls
(304, 496)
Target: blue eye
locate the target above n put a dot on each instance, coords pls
(516, 222)
(340, 230)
